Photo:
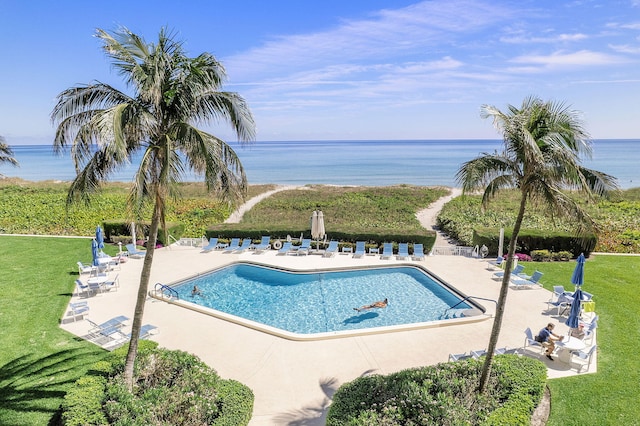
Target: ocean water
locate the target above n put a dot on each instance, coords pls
(373, 163)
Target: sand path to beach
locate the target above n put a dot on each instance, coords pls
(426, 217)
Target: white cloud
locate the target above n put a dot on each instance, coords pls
(521, 39)
(574, 59)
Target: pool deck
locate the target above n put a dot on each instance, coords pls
(293, 381)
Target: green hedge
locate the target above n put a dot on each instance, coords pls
(531, 239)
(443, 394)
(171, 387)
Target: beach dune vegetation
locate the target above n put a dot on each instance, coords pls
(544, 144)
(170, 92)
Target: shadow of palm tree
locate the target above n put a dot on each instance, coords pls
(30, 384)
(314, 414)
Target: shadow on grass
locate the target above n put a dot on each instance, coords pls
(37, 385)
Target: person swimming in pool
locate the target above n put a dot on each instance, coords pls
(378, 304)
(196, 291)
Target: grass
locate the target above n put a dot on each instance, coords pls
(38, 361)
(610, 396)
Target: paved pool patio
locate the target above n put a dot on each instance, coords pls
(293, 381)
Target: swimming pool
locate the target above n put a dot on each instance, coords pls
(318, 304)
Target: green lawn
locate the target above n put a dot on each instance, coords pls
(39, 361)
(610, 396)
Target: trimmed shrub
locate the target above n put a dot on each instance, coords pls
(171, 387)
(541, 255)
(444, 394)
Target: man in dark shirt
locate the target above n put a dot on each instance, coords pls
(548, 338)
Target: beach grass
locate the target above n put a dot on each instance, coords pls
(39, 361)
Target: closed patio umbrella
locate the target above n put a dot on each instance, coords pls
(99, 237)
(317, 227)
(578, 273)
(94, 252)
(574, 315)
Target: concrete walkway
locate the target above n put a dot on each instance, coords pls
(294, 381)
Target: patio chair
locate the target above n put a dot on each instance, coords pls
(403, 251)
(109, 330)
(387, 251)
(418, 252)
(459, 357)
(517, 270)
(85, 269)
(111, 284)
(265, 244)
(81, 288)
(78, 309)
(534, 282)
(360, 249)
(583, 358)
(530, 341)
(233, 246)
(331, 250)
(590, 332)
(133, 252)
(121, 339)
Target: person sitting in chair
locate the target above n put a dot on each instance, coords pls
(548, 338)
(378, 304)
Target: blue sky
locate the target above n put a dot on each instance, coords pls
(336, 69)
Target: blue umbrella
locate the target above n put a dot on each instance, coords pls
(94, 252)
(574, 314)
(578, 273)
(99, 237)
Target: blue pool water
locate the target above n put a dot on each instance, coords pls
(320, 302)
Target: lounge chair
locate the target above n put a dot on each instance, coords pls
(530, 283)
(495, 264)
(505, 350)
(517, 270)
(85, 269)
(132, 251)
(213, 245)
(387, 251)
(403, 251)
(246, 244)
(286, 248)
(360, 249)
(459, 357)
(233, 246)
(265, 244)
(146, 331)
(332, 249)
(78, 309)
(530, 341)
(477, 354)
(418, 252)
(109, 329)
(304, 247)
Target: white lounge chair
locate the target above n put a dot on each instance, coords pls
(387, 251)
(533, 282)
(403, 251)
(360, 249)
(213, 245)
(132, 251)
(418, 252)
(265, 244)
(233, 246)
(332, 249)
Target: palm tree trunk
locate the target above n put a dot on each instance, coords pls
(141, 299)
(502, 299)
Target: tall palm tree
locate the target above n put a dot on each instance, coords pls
(543, 145)
(170, 94)
(6, 154)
